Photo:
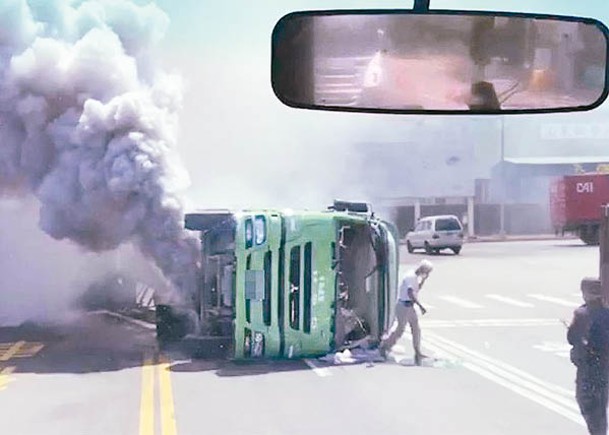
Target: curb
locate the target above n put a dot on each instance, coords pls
(519, 239)
(498, 239)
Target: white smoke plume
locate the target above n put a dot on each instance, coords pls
(90, 129)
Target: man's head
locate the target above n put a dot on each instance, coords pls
(591, 290)
(424, 269)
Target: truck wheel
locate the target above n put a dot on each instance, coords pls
(457, 250)
(589, 234)
(409, 247)
(428, 249)
(173, 323)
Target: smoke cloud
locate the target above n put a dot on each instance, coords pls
(48, 280)
(89, 127)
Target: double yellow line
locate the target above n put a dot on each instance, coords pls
(12, 351)
(159, 365)
(5, 376)
(9, 352)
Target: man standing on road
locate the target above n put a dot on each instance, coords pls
(589, 336)
(405, 312)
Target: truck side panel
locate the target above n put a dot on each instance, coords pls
(584, 196)
(558, 205)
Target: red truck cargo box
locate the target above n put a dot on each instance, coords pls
(577, 199)
(558, 213)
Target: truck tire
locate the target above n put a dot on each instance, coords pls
(173, 323)
(589, 234)
(409, 247)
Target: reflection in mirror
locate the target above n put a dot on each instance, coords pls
(438, 62)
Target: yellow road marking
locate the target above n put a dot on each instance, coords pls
(12, 351)
(152, 371)
(24, 349)
(7, 370)
(168, 418)
(31, 351)
(147, 398)
(5, 377)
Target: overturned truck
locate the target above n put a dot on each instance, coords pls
(284, 284)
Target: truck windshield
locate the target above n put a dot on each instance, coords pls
(361, 284)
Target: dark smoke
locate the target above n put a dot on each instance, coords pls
(90, 129)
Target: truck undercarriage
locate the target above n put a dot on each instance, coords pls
(207, 321)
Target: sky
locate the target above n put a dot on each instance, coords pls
(242, 147)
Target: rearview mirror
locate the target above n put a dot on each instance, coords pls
(439, 62)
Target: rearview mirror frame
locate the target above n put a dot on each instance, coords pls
(292, 102)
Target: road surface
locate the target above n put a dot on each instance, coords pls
(493, 324)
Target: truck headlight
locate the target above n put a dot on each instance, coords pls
(258, 345)
(247, 343)
(260, 230)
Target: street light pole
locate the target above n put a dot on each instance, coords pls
(604, 248)
(503, 181)
(421, 5)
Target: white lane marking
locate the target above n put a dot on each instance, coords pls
(398, 348)
(550, 396)
(488, 322)
(510, 301)
(520, 374)
(460, 302)
(554, 300)
(568, 413)
(557, 348)
(322, 372)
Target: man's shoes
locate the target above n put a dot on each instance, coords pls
(418, 358)
(383, 352)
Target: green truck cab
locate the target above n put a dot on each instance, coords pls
(285, 284)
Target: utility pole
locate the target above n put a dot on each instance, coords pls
(421, 5)
(503, 181)
(604, 251)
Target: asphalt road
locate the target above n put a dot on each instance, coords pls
(501, 366)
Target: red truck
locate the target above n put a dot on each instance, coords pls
(575, 204)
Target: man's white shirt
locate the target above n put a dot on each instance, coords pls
(411, 280)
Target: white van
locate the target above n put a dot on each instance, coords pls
(435, 233)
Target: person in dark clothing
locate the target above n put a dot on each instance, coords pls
(589, 335)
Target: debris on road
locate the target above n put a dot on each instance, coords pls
(353, 356)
